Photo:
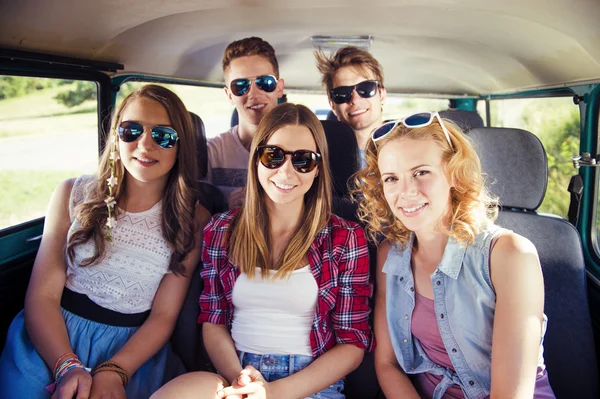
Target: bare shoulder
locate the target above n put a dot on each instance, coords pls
(514, 259)
(383, 249)
(512, 244)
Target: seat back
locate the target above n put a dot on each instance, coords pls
(516, 165)
(343, 163)
(466, 120)
(186, 338)
(201, 146)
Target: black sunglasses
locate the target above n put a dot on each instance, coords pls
(267, 83)
(164, 136)
(343, 94)
(273, 157)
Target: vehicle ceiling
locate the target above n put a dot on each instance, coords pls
(454, 47)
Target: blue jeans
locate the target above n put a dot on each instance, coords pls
(274, 367)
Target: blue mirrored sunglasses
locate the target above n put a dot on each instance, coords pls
(164, 136)
(420, 119)
(267, 83)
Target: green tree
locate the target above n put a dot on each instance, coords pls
(16, 86)
(558, 127)
(83, 91)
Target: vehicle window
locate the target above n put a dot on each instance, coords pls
(48, 133)
(556, 122)
(209, 103)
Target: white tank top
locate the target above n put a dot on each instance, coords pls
(134, 263)
(274, 316)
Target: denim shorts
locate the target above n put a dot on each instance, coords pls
(274, 367)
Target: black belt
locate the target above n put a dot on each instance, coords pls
(83, 306)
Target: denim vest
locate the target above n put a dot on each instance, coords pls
(464, 303)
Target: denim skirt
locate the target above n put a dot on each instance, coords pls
(24, 374)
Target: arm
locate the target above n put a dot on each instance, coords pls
(43, 318)
(221, 350)
(517, 279)
(214, 308)
(392, 379)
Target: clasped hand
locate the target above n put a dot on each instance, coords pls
(250, 384)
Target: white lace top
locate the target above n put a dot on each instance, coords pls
(128, 276)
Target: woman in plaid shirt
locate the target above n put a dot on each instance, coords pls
(286, 283)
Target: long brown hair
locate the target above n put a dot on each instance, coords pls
(178, 198)
(248, 234)
(472, 206)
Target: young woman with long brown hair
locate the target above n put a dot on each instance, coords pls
(115, 262)
(286, 282)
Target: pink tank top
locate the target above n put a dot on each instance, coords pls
(425, 329)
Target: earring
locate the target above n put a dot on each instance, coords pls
(112, 181)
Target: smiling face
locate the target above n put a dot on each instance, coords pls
(143, 159)
(414, 183)
(285, 185)
(362, 114)
(253, 105)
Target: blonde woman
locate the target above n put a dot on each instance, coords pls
(459, 303)
(286, 282)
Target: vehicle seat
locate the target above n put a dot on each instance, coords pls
(466, 120)
(516, 164)
(186, 339)
(208, 195)
(344, 162)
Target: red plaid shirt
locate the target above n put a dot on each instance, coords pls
(339, 261)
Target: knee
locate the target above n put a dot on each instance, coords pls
(197, 385)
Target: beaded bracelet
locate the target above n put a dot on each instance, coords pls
(63, 365)
(112, 366)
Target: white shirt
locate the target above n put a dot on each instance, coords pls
(274, 316)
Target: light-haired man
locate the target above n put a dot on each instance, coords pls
(253, 86)
(354, 82)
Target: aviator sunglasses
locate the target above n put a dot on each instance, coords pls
(273, 157)
(164, 136)
(267, 83)
(420, 119)
(343, 94)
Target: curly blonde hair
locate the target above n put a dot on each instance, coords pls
(472, 206)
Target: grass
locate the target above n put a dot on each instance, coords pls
(25, 194)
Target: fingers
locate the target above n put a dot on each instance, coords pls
(253, 373)
(251, 388)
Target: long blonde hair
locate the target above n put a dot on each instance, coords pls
(178, 198)
(248, 234)
(471, 207)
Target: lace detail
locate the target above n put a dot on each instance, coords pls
(128, 276)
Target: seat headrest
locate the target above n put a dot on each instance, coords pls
(466, 120)
(201, 146)
(343, 155)
(331, 116)
(515, 163)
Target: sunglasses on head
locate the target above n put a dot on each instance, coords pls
(273, 157)
(343, 94)
(420, 119)
(164, 136)
(267, 83)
